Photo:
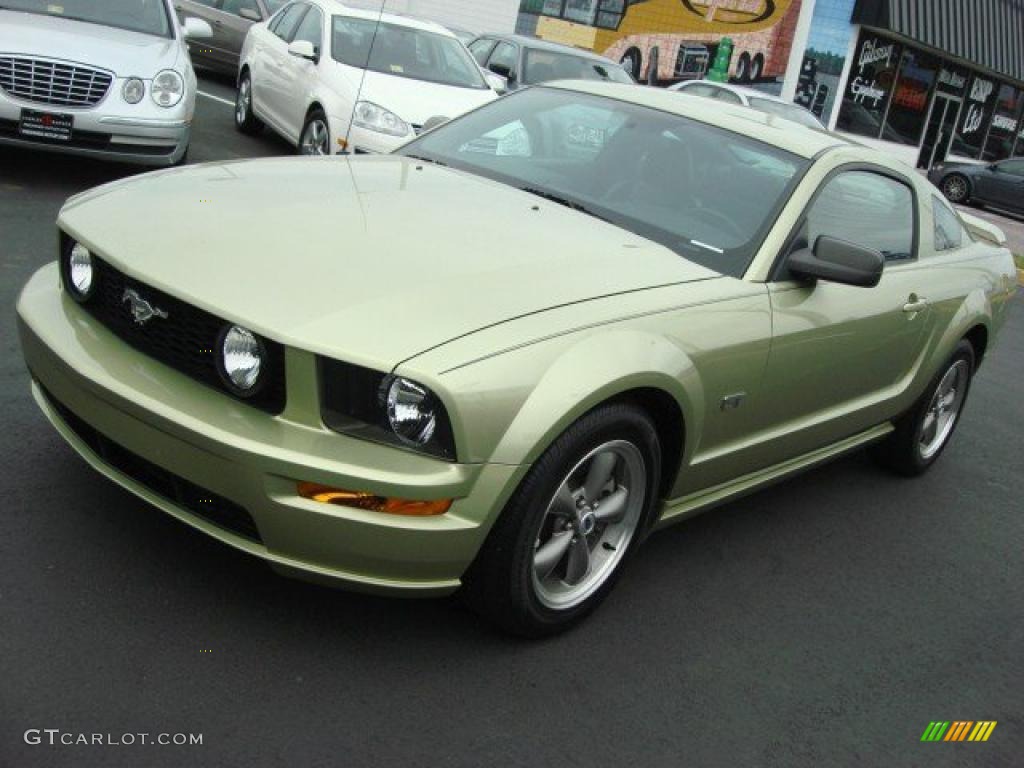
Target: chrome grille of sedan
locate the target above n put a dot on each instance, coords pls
(53, 82)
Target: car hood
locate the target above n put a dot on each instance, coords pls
(416, 101)
(373, 260)
(123, 52)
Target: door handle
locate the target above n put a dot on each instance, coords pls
(915, 304)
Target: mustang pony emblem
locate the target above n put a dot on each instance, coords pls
(142, 310)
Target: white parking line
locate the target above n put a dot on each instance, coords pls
(216, 98)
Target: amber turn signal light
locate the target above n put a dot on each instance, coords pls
(362, 500)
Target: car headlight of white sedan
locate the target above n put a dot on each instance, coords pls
(375, 118)
(168, 88)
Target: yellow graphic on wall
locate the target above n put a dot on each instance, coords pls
(668, 40)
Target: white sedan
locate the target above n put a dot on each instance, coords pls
(329, 78)
(749, 97)
(107, 79)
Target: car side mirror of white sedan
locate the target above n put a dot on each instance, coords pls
(498, 83)
(196, 29)
(303, 49)
(434, 122)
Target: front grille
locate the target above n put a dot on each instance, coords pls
(201, 502)
(53, 82)
(187, 339)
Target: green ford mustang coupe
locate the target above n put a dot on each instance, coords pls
(499, 358)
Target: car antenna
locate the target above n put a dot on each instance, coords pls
(366, 66)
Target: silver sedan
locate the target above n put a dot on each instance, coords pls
(110, 80)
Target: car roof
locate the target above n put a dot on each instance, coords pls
(777, 131)
(546, 45)
(738, 89)
(340, 9)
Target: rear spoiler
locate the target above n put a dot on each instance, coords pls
(983, 230)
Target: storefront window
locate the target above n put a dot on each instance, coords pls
(974, 118)
(581, 11)
(869, 86)
(909, 106)
(1005, 125)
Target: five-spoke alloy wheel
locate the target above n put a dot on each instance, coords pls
(316, 135)
(560, 543)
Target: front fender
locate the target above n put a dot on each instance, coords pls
(511, 407)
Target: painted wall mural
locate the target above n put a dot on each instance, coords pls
(672, 40)
(825, 57)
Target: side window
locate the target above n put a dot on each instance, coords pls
(252, 10)
(480, 49)
(949, 232)
(503, 60)
(868, 209)
(1016, 167)
(311, 29)
(727, 96)
(284, 26)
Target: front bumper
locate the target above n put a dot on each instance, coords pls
(365, 142)
(154, 421)
(105, 133)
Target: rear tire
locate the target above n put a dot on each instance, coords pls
(923, 433)
(559, 545)
(245, 119)
(743, 67)
(757, 68)
(956, 188)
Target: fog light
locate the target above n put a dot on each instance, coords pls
(368, 501)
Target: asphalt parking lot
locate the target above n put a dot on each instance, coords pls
(825, 621)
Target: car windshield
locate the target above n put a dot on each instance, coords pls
(543, 65)
(404, 51)
(275, 5)
(148, 16)
(707, 193)
(788, 111)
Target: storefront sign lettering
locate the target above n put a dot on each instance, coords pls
(952, 79)
(1004, 123)
(863, 90)
(972, 122)
(872, 53)
(981, 90)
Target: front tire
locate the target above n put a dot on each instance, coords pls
(245, 120)
(923, 433)
(315, 138)
(559, 545)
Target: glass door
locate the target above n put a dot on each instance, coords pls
(939, 132)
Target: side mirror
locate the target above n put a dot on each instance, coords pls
(501, 71)
(196, 29)
(303, 49)
(498, 83)
(839, 262)
(434, 122)
(250, 13)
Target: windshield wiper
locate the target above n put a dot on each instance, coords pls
(576, 206)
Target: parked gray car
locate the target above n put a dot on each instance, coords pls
(1000, 185)
(230, 20)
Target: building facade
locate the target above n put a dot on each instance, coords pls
(922, 79)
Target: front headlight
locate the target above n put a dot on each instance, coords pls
(384, 408)
(133, 90)
(369, 115)
(241, 360)
(168, 88)
(79, 272)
